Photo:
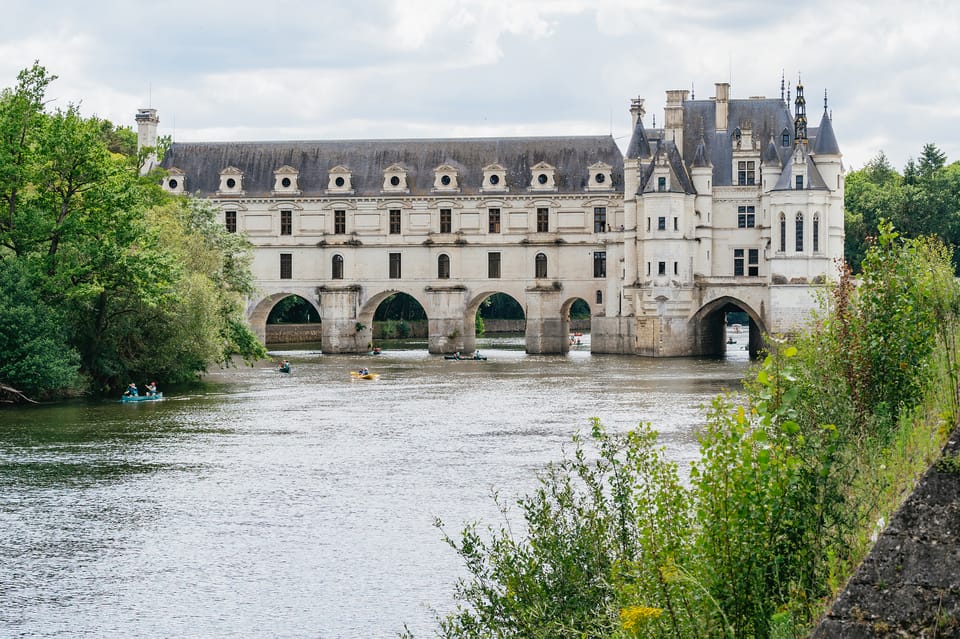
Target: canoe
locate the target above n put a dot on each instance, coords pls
(141, 398)
(357, 375)
(283, 369)
(479, 358)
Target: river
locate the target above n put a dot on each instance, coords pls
(268, 505)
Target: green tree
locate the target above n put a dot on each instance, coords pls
(146, 283)
(34, 354)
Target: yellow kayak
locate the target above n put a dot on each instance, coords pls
(359, 375)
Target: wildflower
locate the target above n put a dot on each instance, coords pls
(633, 617)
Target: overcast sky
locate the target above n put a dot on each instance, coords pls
(279, 70)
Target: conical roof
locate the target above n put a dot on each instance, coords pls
(826, 142)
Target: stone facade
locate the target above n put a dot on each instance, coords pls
(732, 205)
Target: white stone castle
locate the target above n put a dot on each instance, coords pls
(733, 205)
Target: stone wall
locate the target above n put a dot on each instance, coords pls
(909, 584)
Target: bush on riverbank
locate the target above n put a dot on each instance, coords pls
(792, 480)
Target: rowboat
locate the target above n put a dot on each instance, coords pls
(359, 375)
(141, 398)
(458, 357)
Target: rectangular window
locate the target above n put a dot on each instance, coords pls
(661, 268)
(599, 219)
(543, 220)
(799, 182)
(493, 220)
(600, 264)
(446, 220)
(493, 265)
(395, 266)
(648, 223)
(661, 224)
(676, 268)
(230, 218)
(394, 221)
(676, 224)
(746, 217)
(816, 234)
(286, 266)
(738, 262)
(753, 262)
(286, 222)
(746, 173)
(339, 222)
(661, 184)
(799, 234)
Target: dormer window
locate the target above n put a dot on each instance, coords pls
(285, 181)
(340, 180)
(785, 138)
(746, 173)
(395, 179)
(662, 183)
(494, 178)
(174, 181)
(231, 181)
(446, 178)
(600, 178)
(543, 177)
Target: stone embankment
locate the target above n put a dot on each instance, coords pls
(909, 584)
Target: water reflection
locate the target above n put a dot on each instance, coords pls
(264, 505)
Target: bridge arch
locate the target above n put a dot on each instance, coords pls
(258, 311)
(710, 325)
(565, 319)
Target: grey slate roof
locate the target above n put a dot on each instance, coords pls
(814, 180)
(766, 117)
(771, 155)
(202, 162)
(826, 142)
(639, 144)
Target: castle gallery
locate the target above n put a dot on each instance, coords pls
(732, 205)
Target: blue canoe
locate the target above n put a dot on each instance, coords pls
(141, 398)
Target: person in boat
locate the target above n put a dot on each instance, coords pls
(476, 354)
(131, 390)
(364, 371)
(151, 388)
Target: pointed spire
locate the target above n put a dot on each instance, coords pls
(639, 146)
(700, 158)
(826, 142)
(800, 115)
(771, 156)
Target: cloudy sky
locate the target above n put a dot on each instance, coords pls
(247, 70)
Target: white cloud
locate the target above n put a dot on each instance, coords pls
(499, 67)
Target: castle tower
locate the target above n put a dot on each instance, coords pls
(147, 122)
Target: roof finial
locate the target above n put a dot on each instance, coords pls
(782, 79)
(824, 100)
(788, 95)
(654, 120)
(693, 91)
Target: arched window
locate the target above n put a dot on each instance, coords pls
(443, 267)
(816, 233)
(799, 234)
(783, 233)
(541, 265)
(337, 267)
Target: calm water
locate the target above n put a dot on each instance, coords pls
(300, 505)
